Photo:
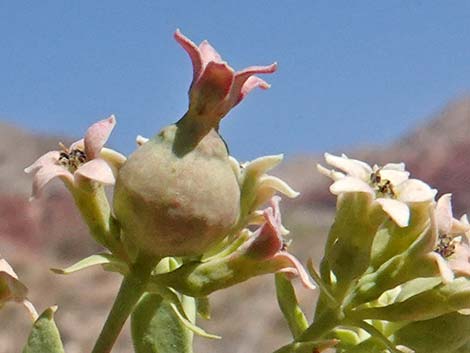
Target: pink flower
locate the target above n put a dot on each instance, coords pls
(216, 87)
(267, 244)
(453, 246)
(83, 159)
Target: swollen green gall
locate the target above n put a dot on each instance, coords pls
(177, 194)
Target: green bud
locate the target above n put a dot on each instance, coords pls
(178, 195)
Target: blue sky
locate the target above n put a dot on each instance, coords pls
(350, 72)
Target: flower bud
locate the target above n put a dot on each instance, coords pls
(171, 202)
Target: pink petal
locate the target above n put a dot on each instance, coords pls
(297, 266)
(46, 174)
(97, 135)
(443, 266)
(443, 213)
(193, 52)
(79, 144)
(266, 240)
(460, 260)
(207, 95)
(97, 170)
(50, 158)
(208, 53)
(245, 82)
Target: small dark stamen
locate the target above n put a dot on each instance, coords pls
(445, 246)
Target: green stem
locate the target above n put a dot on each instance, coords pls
(330, 299)
(94, 208)
(377, 335)
(132, 288)
(321, 326)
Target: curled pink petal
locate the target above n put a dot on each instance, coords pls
(459, 262)
(250, 84)
(211, 89)
(299, 269)
(79, 144)
(266, 241)
(97, 170)
(208, 53)
(443, 267)
(46, 174)
(443, 213)
(97, 135)
(212, 92)
(50, 158)
(193, 52)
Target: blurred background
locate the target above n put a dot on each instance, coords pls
(379, 81)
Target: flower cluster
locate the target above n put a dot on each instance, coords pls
(187, 219)
(396, 263)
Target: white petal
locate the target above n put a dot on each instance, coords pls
(395, 176)
(395, 166)
(272, 182)
(414, 190)
(140, 140)
(235, 166)
(397, 210)
(464, 311)
(97, 170)
(350, 184)
(351, 167)
(114, 158)
(263, 164)
(330, 173)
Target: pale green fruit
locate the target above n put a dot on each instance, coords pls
(177, 195)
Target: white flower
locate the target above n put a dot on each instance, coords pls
(389, 185)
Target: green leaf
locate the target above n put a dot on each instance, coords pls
(44, 336)
(190, 326)
(108, 261)
(443, 334)
(157, 329)
(289, 306)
